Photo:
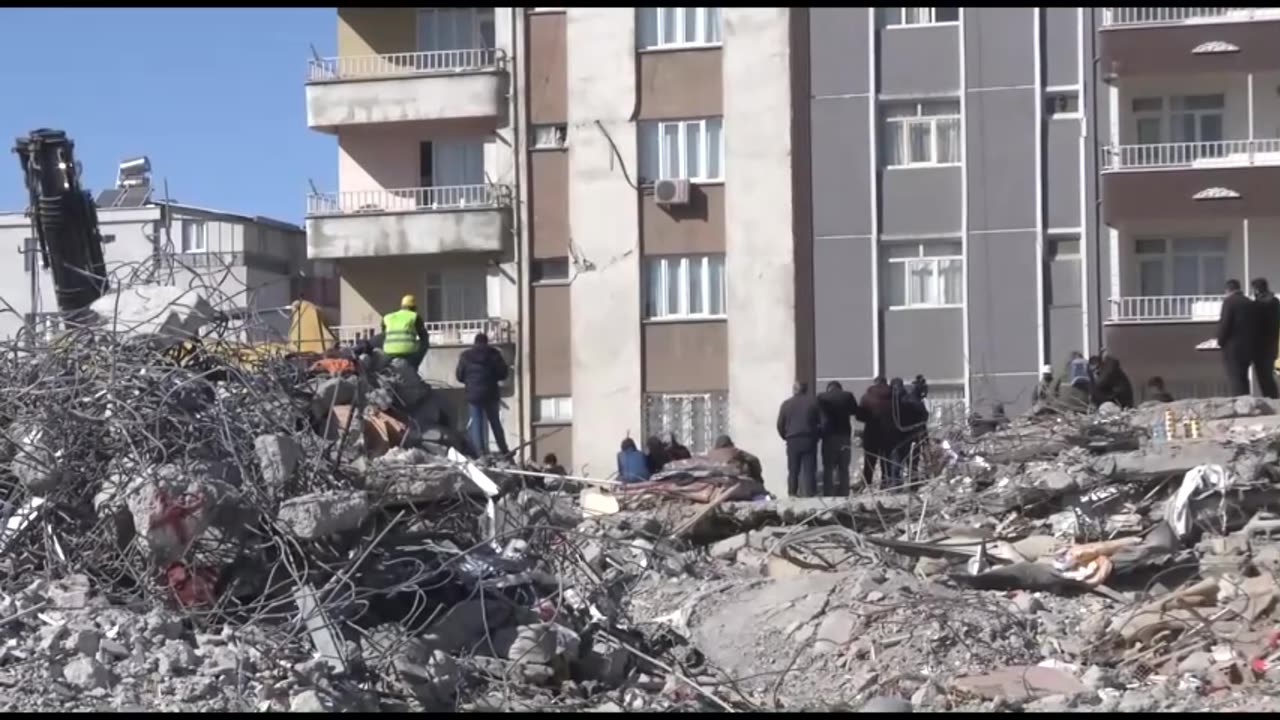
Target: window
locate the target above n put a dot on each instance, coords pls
(923, 133)
(1181, 266)
(685, 287)
(553, 410)
(30, 253)
(550, 136)
(890, 17)
(689, 149)
(924, 274)
(675, 27)
(1062, 103)
(193, 237)
(1179, 119)
(443, 164)
(696, 419)
(469, 28)
(457, 295)
(550, 270)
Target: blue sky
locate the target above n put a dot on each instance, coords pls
(213, 96)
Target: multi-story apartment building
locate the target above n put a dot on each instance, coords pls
(252, 264)
(680, 211)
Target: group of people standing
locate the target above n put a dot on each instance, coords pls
(894, 418)
(1249, 335)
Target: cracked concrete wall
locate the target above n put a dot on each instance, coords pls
(760, 260)
(604, 222)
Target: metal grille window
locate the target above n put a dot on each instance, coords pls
(674, 27)
(946, 405)
(696, 419)
(890, 17)
(924, 274)
(922, 133)
(685, 287)
(688, 149)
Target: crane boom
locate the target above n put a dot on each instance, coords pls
(64, 218)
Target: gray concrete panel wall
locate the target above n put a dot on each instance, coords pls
(921, 201)
(999, 47)
(838, 51)
(841, 166)
(844, 307)
(919, 60)
(1096, 103)
(1062, 173)
(1003, 308)
(1061, 46)
(1012, 391)
(929, 342)
(1000, 156)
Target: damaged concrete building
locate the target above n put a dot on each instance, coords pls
(665, 225)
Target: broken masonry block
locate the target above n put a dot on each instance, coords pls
(317, 515)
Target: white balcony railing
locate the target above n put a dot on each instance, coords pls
(434, 62)
(455, 197)
(443, 334)
(1165, 308)
(1120, 17)
(1222, 153)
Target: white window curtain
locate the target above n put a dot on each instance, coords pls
(924, 275)
(457, 295)
(922, 134)
(689, 149)
(685, 287)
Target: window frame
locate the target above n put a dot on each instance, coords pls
(905, 138)
(935, 260)
(1167, 114)
(654, 147)
(562, 410)
(534, 279)
(702, 27)
(455, 280)
(536, 130)
(656, 310)
(933, 15)
(1051, 96)
(194, 224)
(1166, 257)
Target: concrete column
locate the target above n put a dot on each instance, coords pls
(605, 239)
(760, 260)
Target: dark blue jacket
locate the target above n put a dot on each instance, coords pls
(633, 466)
(480, 369)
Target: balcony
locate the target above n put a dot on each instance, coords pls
(408, 221)
(1176, 41)
(1202, 180)
(446, 333)
(1165, 308)
(405, 87)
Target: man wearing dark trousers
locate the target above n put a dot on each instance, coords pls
(1266, 337)
(800, 425)
(481, 370)
(1235, 337)
(838, 407)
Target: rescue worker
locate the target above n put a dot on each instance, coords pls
(404, 335)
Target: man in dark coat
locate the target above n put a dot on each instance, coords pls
(877, 430)
(481, 368)
(910, 420)
(800, 426)
(839, 407)
(1110, 383)
(1266, 337)
(1235, 337)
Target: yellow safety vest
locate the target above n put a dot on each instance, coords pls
(401, 335)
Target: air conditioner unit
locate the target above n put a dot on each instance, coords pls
(672, 191)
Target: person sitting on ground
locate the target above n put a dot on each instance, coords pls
(551, 464)
(725, 453)
(656, 454)
(1110, 383)
(633, 466)
(675, 451)
(1156, 390)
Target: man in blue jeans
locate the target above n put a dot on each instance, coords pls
(480, 369)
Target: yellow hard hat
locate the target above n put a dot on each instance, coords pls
(408, 301)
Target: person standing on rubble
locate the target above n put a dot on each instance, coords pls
(404, 335)
(800, 426)
(910, 427)
(839, 407)
(1235, 337)
(481, 368)
(877, 436)
(1266, 337)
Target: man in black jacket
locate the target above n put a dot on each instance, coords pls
(838, 407)
(480, 368)
(799, 425)
(1266, 337)
(1235, 337)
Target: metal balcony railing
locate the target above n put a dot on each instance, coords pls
(444, 333)
(1121, 17)
(1221, 153)
(455, 197)
(1166, 308)
(433, 62)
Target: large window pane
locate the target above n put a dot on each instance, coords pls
(647, 27)
(894, 143)
(1213, 274)
(715, 285)
(714, 142)
(1210, 128)
(693, 150)
(670, 136)
(675, 286)
(654, 306)
(713, 25)
(951, 274)
(697, 267)
(667, 18)
(691, 25)
(1148, 131)
(1151, 278)
(921, 142)
(896, 284)
(650, 152)
(1186, 275)
(920, 274)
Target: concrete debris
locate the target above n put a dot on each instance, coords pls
(317, 515)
